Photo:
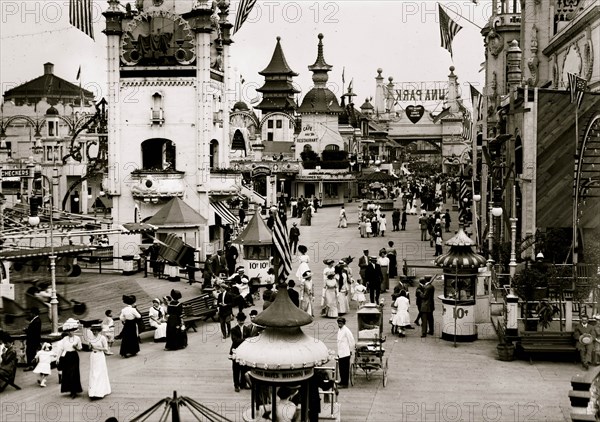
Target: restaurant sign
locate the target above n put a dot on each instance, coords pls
(261, 171)
(282, 375)
(307, 135)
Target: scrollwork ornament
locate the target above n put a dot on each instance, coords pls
(588, 59)
(494, 41)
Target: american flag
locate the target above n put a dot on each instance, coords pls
(448, 29)
(577, 87)
(465, 193)
(80, 16)
(477, 102)
(244, 9)
(467, 125)
(282, 248)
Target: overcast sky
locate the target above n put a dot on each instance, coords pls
(401, 37)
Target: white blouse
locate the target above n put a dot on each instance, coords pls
(129, 313)
(69, 344)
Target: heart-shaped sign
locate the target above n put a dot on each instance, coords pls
(415, 113)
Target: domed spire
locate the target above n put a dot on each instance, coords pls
(283, 313)
(320, 68)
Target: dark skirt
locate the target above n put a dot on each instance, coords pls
(176, 337)
(393, 269)
(130, 344)
(71, 379)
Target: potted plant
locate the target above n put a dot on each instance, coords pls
(505, 348)
(545, 312)
(531, 285)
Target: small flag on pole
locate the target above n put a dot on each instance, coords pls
(343, 79)
(576, 87)
(467, 125)
(448, 29)
(445, 112)
(80, 16)
(465, 193)
(477, 102)
(282, 247)
(78, 73)
(244, 9)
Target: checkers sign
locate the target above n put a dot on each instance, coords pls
(15, 173)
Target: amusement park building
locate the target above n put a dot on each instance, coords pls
(42, 127)
(173, 141)
(539, 149)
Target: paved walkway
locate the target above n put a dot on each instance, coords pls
(429, 379)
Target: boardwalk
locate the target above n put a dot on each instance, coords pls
(429, 379)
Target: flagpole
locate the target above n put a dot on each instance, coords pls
(576, 199)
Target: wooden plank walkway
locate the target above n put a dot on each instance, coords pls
(429, 379)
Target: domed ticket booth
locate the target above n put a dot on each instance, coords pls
(257, 243)
(281, 361)
(461, 266)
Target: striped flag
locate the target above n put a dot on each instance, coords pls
(80, 16)
(282, 248)
(445, 112)
(477, 102)
(577, 87)
(465, 193)
(467, 125)
(244, 9)
(448, 29)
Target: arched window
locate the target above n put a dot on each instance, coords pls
(158, 154)
(214, 154)
(307, 148)
(332, 147)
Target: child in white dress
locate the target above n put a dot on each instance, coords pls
(44, 358)
(359, 293)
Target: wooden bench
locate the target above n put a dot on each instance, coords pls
(200, 308)
(531, 342)
(8, 382)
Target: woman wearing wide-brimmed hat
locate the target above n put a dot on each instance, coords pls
(130, 343)
(69, 359)
(176, 331)
(99, 384)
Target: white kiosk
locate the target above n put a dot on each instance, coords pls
(461, 266)
(256, 242)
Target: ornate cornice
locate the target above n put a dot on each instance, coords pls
(159, 82)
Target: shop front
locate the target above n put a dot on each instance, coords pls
(330, 188)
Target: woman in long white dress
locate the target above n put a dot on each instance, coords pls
(307, 293)
(99, 384)
(402, 318)
(158, 321)
(329, 300)
(304, 260)
(342, 279)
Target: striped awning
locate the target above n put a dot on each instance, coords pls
(222, 211)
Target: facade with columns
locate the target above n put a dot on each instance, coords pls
(168, 127)
(531, 130)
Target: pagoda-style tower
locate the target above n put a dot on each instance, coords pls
(278, 90)
(320, 110)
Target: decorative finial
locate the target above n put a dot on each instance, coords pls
(320, 36)
(391, 78)
(278, 38)
(452, 68)
(379, 71)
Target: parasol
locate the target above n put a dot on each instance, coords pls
(378, 176)
(171, 406)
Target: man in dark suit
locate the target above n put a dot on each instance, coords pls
(294, 295)
(373, 277)
(220, 264)
(238, 334)
(294, 237)
(231, 256)
(224, 306)
(33, 333)
(427, 308)
(419, 294)
(363, 263)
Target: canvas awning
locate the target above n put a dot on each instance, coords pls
(45, 252)
(103, 202)
(175, 214)
(222, 211)
(256, 233)
(135, 228)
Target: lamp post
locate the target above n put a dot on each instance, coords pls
(512, 265)
(34, 220)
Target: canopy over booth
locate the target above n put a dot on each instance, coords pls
(256, 241)
(282, 358)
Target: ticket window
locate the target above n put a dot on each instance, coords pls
(459, 287)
